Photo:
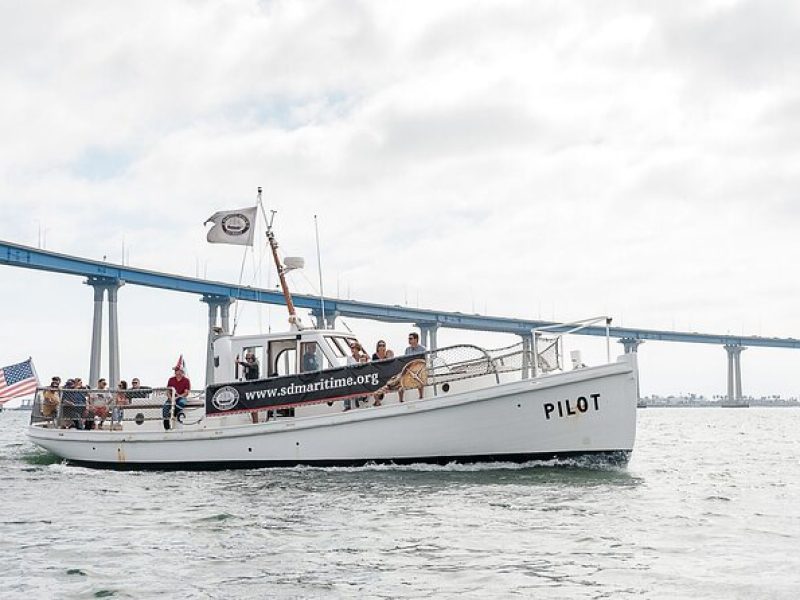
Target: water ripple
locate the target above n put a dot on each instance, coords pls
(701, 512)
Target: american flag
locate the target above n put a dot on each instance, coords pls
(17, 380)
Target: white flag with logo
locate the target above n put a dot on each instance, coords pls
(233, 226)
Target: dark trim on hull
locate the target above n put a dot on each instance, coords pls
(605, 457)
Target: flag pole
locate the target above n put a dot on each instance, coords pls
(241, 268)
(35, 374)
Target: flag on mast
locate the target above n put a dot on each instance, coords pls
(181, 364)
(18, 380)
(233, 226)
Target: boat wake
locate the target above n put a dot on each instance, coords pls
(39, 458)
(594, 463)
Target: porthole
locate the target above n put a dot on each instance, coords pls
(139, 418)
(446, 387)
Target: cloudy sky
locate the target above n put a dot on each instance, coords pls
(531, 159)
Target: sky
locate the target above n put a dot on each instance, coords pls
(523, 159)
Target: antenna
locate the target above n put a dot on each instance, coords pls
(319, 268)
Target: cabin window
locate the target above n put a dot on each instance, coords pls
(349, 342)
(286, 362)
(337, 347)
(241, 371)
(283, 357)
(311, 359)
(343, 344)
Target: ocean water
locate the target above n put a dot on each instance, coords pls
(709, 507)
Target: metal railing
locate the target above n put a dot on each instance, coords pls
(90, 409)
(96, 409)
(550, 358)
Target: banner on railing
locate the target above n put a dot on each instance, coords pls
(331, 384)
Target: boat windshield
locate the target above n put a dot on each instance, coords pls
(340, 345)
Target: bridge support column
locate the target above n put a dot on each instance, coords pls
(225, 316)
(216, 305)
(97, 335)
(328, 323)
(427, 335)
(102, 286)
(113, 338)
(734, 372)
(630, 345)
(527, 354)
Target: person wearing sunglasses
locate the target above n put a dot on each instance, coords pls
(382, 352)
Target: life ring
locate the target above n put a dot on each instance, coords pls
(414, 375)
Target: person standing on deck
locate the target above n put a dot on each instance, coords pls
(310, 360)
(249, 366)
(414, 347)
(251, 371)
(381, 353)
(357, 357)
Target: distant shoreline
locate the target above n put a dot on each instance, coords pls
(718, 406)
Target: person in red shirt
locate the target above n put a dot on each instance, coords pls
(181, 385)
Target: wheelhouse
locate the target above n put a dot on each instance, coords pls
(279, 354)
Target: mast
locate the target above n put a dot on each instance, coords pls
(273, 244)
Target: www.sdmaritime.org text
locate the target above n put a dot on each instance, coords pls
(330, 383)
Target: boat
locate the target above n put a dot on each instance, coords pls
(25, 404)
(314, 406)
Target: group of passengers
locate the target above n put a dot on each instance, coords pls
(382, 352)
(76, 406)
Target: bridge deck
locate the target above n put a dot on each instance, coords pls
(16, 255)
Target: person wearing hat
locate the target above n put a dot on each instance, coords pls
(180, 385)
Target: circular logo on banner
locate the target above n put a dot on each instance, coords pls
(235, 224)
(225, 398)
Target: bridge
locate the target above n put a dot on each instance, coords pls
(106, 279)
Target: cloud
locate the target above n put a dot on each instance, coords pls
(549, 159)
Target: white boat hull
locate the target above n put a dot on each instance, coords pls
(582, 412)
